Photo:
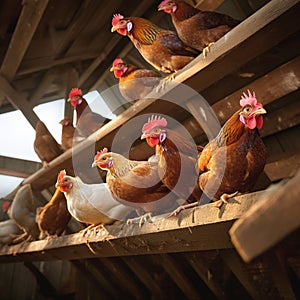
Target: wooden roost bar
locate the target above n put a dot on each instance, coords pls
(249, 249)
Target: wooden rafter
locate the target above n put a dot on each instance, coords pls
(31, 15)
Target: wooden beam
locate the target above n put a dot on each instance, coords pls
(268, 222)
(136, 264)
(200, 266)
(239, 269)
(28, 22)
(39, 91)
(17, 167)
(285, 166)
(182, 281)
(18, 101)
(203, 228)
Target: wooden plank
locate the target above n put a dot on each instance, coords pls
(285, 166)
(238, 268)
(28, 21)
(268, 222)
(18, 101)
(202, 228)
(182, 281)
(279, 274)
(17, 167)
(39, 91)
(136, 265)
(122, 278)
(201, 267)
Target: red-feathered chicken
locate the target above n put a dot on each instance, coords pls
(54, 217)
(197, 29)
(135, 183)
(178, 157)
(232, 162)
(45, 146)
(161, 48)
(134, 83)
(87, 121)
(67, 134)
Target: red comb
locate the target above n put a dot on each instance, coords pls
(61, 175)
(99, 153)
(154, 121)
(118, 61)
(163, 3)
(249, 99)
(75, 92)
(116, 18)
(5, 206)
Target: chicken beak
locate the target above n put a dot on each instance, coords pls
(114, 28)
(111, 69)
(94, 164)
(144, 136)
(260, 111)
(160, 8)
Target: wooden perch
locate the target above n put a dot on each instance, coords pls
(273, 218)
(202, 228)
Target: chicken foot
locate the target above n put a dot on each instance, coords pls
(181, 208)
(206, 50)
(224, 199)
(141, 219)
(91, 228)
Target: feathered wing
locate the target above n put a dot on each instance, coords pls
(170, 40)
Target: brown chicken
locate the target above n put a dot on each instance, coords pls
(67, 133)
(197, 29)
(53, 218)
(45, 146)
(232, 162)
(134, 83)
(178, 157)
(161, 48)
(135, 183)
(87, 121)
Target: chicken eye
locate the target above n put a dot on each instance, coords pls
(156, 130)
(104, 158)
(247, 109)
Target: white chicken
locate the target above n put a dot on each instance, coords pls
(9, 230)
(22, 211)
(91, 203)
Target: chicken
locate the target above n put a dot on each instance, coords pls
(91, 203)
(159, 47)
(178, 157)
(197, 29)
(233, 160)
(23, 213)
(53, 218)
(67, 133)
(134, 83)
(87, 121)
(135, 183)
(9, 231)
(45, 146)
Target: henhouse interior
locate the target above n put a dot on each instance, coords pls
(149, 149)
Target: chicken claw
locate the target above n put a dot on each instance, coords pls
(206, 50)
(181, 208)
(141, 220)
(224, 199)
(91, 229)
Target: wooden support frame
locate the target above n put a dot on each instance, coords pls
(193, 230)
(268, 222)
